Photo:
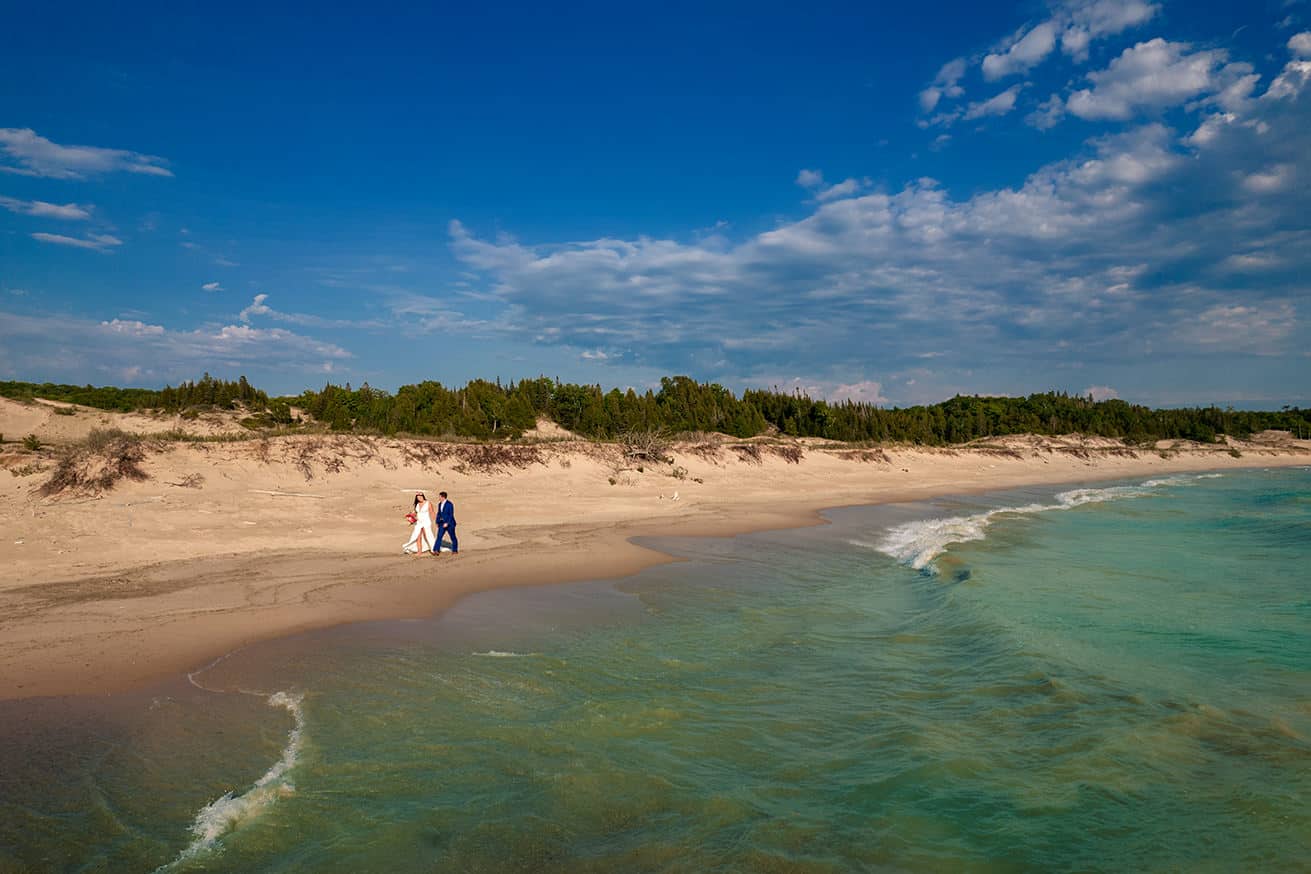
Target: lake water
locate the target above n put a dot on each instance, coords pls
(1108, 678)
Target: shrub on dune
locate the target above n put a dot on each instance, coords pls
(107, 456)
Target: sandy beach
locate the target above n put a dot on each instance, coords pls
(227, 543)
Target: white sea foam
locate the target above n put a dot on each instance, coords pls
(225, 813)
(917, 543)
(497, 654)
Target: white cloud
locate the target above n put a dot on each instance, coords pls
(1235, 85)
(810, 179)
(835, 390)
(1048, 114)
(1269, 181)
(813, 181)
(211, 286)
(256, 308)
(1256, 329)
(1075, 42)
(41, 209)
(1300, 44)
(254, 344)
(1289, 83)
(999, 104)
(1138, 157)
(73, 347)
(945, 84)
(1210, 128)
(950, 74)
(1075, 24)
(1102, 253)
(1086, 20)
(948, 117)
(1100, 392)
(1251, 262)
(425, 314)
(31, 154)
(865, 391)
(845, 188)
(98, 242)
(132, 328)
(1026, 52)
(1151, 75)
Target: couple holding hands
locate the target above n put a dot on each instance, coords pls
(422, 519)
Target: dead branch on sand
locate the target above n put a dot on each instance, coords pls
(652, 446)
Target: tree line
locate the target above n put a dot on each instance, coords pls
(488, 410)
(495, 410)
(207, 392)
(969, 417)
(483, 409)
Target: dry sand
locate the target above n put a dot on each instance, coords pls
(228, 543)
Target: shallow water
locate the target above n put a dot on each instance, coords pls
(1111, 679)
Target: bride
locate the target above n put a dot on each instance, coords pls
(421, 539)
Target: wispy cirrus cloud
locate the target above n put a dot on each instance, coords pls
(95, 242)
(30, 154)
(258, 308)
(41, 209)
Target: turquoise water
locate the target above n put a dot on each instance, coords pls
(1103, 679)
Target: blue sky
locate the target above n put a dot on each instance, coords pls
(889, 204)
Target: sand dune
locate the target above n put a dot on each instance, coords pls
(225, 543)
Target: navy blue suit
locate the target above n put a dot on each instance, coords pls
(446, 525)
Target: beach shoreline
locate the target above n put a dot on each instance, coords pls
(155, 602)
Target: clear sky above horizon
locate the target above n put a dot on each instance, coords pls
(890, 204)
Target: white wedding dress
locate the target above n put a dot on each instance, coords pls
(422, 528)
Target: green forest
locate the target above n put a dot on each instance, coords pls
(495, 410)
(207, 392)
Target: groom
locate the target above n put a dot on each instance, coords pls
(445, 525)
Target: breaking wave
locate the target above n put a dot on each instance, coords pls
(917, 543)
(226, 812)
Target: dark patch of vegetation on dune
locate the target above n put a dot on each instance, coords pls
(100, 462)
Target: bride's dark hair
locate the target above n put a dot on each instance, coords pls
(418, 497)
